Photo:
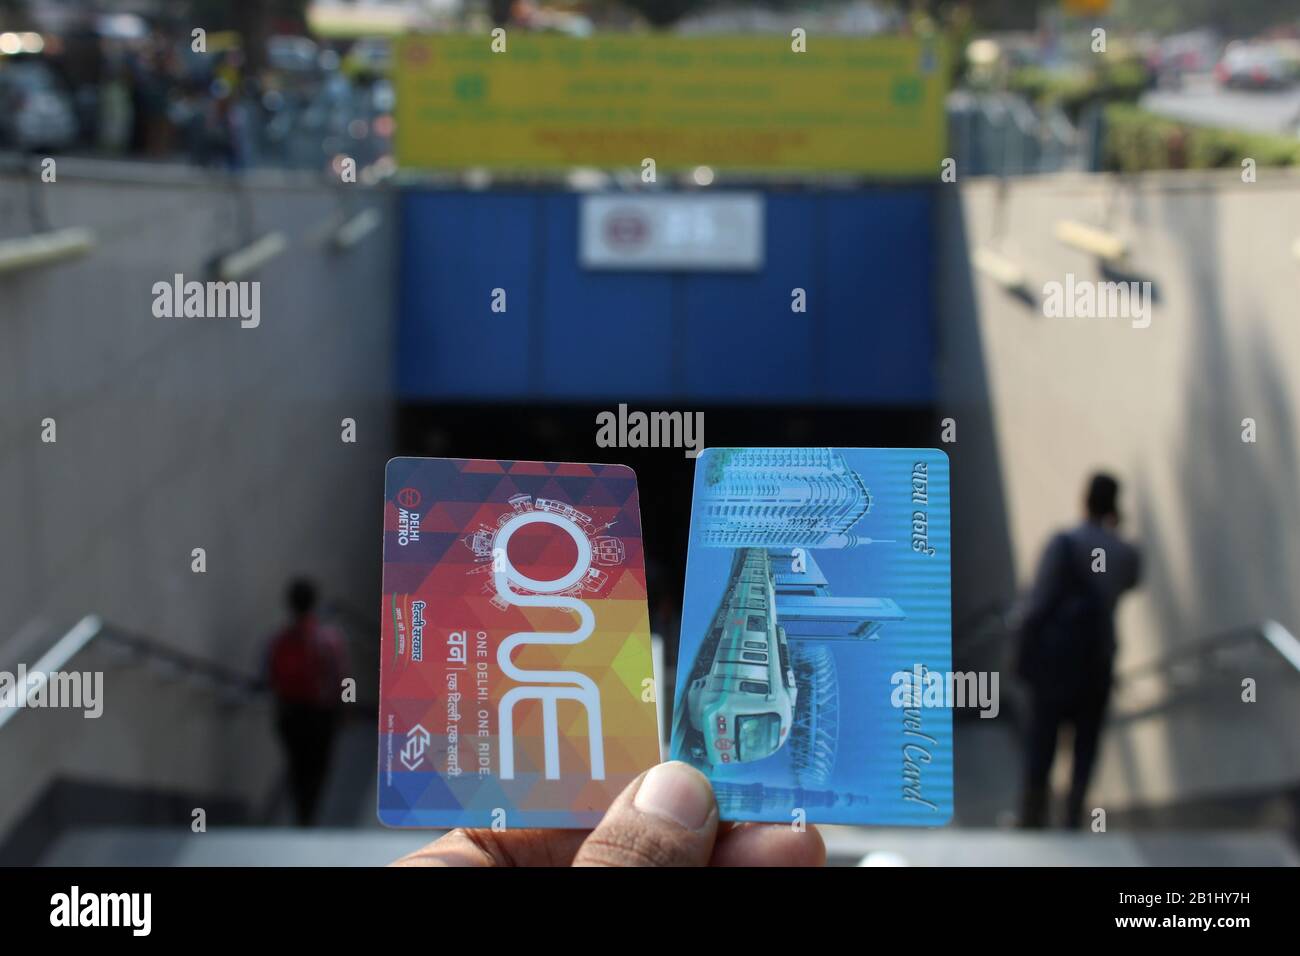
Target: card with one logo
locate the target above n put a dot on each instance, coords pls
(815, 623)
(516, 685)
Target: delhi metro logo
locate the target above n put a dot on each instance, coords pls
(546, 687)
(626, 228)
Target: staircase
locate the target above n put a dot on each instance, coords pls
(1235, 806)
(846, 846)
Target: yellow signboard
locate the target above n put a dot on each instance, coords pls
(859, 105)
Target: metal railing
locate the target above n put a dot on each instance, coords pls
(996, 133)
(1178, 673)
(234, 685)
(93, 629)
(985, 639)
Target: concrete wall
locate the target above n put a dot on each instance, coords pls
(1040, 402)
(175, 434)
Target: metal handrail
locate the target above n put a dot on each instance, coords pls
(1274, 634)
(1184, 666)
(1282, 641)
(998, 612)
(63, 650)
(185, 662)
(92, 627)
(367, 624)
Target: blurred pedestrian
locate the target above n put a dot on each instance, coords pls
(229, 137)
(1067, 646)
(187, 112)
(116, 117)
(307, 663)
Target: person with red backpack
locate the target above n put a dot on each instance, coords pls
(307, 663)
(1067, 646)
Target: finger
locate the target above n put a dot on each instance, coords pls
(666, 817)
(498, 848)
(769, 844)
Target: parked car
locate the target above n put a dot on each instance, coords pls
(1253, 66)
(36, 111)
(1183, 54)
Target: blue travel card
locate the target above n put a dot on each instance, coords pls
(816, 614)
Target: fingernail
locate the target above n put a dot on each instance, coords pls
(676, 792)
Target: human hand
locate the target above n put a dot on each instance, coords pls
(666, 817)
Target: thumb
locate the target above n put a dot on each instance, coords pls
(666, 817)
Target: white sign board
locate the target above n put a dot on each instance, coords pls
(718, 233)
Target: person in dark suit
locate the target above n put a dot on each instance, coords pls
(1068, 645)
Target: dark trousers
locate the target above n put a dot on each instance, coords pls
(307, 732)
(1084, 709)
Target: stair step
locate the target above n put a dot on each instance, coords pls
(847, 846)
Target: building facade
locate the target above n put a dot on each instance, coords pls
(781, 497)
(809, 611)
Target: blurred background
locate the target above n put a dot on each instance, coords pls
(364, 163)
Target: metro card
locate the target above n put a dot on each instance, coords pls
(516, 681)
(816, 616)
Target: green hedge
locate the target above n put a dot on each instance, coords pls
(1138, 140)
(1118, 81)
